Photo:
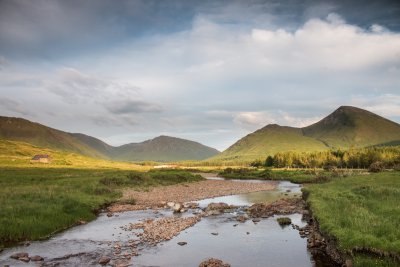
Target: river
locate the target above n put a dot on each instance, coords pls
(263, 243)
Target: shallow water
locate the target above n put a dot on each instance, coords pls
(267, 244)
(284, 189)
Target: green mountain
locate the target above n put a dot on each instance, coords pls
(353, 127)
(18, 129)
(162, 148)
(346, 127)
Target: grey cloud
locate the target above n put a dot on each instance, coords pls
(10, 105)
(73, 85)
(133, 106)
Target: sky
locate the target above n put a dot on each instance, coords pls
(208, 71)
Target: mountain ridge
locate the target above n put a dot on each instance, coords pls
(20, 129)
(344, 128)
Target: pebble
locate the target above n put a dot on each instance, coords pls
(182, 243)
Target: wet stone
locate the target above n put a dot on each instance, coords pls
(104, 260)
(36, 258)
(182, 243)
(19, 255)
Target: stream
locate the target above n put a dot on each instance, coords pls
(265, 243)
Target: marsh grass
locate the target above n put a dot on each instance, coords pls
(360, 212)
(36, 202)
(292, 175)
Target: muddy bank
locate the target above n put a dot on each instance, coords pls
(155, 197)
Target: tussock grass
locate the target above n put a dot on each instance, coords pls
(361, 212)
(36, 202)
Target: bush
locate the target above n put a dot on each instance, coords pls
(136, 177)
(377, 166)
(112, 181)
(284, 221)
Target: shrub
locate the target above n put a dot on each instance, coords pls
(376, 166)
(284, 221)
(111, 181)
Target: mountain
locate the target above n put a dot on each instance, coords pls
(270, 140)
(18, 129)
(162, 148)
(344, 128)
(350, 126)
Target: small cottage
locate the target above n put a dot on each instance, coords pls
(41, 159)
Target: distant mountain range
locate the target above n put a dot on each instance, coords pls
(346, 127)
(162, 148)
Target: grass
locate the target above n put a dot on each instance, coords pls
(36, 202)
(294, 176)
(361, 212)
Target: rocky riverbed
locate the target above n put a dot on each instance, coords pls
(156, 197)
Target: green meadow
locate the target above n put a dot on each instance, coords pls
(363, 214)
(36, 202)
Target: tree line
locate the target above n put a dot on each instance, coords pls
(360, 158)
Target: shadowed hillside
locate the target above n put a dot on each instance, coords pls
(162, 148)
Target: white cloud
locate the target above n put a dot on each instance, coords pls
(387, 105)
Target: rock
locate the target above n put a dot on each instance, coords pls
(170, 204)
(215, 233)
(121, 263)
(349, 263)
(182, 243)
(104, 260)
(36, 258)
(212, 212)
(18, 255)
(256, 220)
(191, 205)
(242, 218)
(247, 233)
(24, 259)
(217, 206)
(81, 222)
(177, 207)
(212, 262)
(109, 214)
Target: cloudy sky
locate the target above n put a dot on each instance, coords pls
(209, 71)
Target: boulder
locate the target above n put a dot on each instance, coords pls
(104, 260)
(182, 243)
(36, 258)
(217, 206)
(24, 259)
(242, 218)
(19, 255)
(177, 207)
(212, 262)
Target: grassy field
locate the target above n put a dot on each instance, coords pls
(36, 202)
(362, 213)
(292, 175)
